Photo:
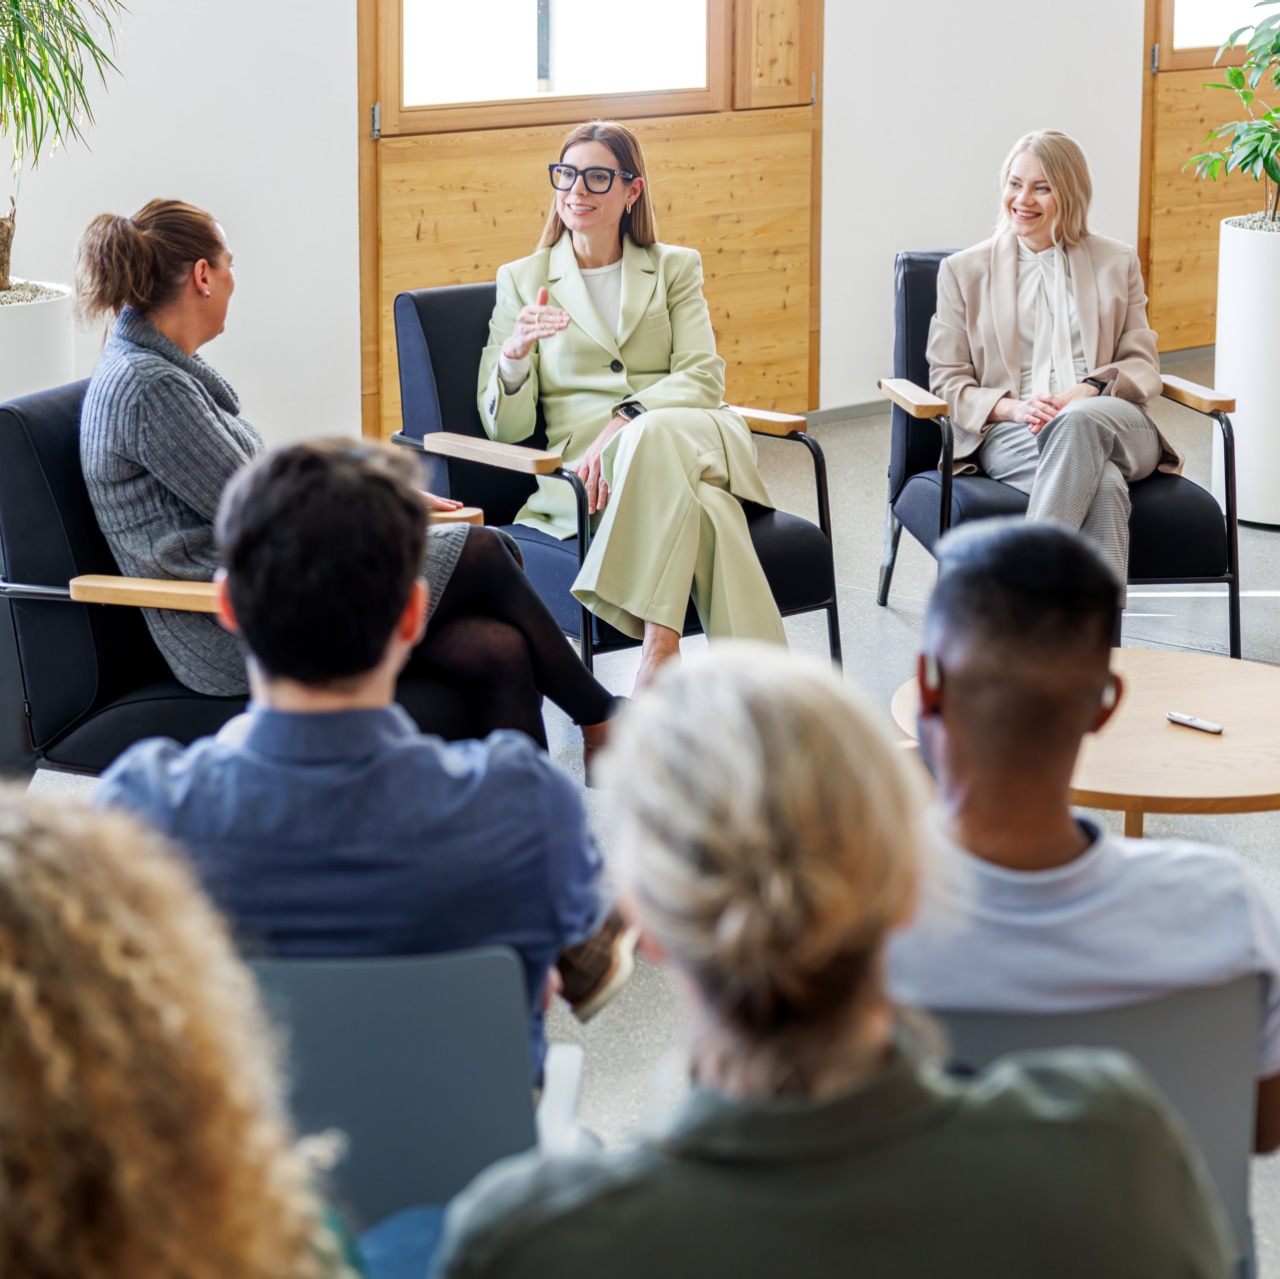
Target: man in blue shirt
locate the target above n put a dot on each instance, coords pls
(322, 821)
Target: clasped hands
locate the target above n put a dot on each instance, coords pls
(538, 321)
(1038, 411)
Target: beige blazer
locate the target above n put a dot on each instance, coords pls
(973, 340)
(664, 356)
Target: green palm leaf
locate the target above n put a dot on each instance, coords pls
(51, 52)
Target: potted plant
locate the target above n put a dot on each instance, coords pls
(1248, 330)
(50, 53)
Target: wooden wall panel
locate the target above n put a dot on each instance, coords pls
(1182, 275)
(736, 185)
(773, 53)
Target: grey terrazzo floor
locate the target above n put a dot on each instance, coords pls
(633, 1048)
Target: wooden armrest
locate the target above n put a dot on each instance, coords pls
(767, 422)
(463, 515)
(145, 592)
(914, 399)
(1204, 399)
(510, 457)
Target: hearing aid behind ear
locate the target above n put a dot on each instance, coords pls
(932, 674)
(1109, 694)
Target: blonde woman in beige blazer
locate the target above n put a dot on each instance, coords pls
(609, 332)
(1041, 347)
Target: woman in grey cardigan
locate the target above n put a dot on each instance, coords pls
(161, 434)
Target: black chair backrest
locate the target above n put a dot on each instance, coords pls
(74, 656)
(440, 334)
(915, 446)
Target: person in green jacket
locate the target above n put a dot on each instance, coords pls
(767, 843)
(607, 331)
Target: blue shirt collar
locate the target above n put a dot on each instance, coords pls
(326, 736)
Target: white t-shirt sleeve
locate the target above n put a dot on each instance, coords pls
(513, 373)
(1266, 943)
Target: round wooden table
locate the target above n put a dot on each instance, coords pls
(1141, 763)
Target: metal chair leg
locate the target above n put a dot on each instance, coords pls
(888, 554)
(1233, 614)
(833, 635)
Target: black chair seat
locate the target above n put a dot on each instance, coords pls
(1176, 531)
(162, 709)
(973, 497)
(1176, 527)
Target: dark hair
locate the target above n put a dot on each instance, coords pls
(142, 261)
(1038, 586)
(321, 543)
(641, 223)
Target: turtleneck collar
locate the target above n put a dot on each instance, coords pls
(135, 329)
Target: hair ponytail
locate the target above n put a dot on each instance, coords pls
(143, 261)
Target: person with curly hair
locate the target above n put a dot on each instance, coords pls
(143, 1128)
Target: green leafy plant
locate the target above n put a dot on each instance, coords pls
(51, 52)
(1251, 145)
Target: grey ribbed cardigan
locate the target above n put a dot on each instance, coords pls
(160, 436)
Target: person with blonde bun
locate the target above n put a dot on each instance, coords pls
(1041, 347)
(768, 842)
(143, 1128)
(605, 331)
(161, 435)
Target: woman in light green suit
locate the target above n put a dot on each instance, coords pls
(608, 330)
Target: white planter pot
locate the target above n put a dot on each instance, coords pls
(37, 345)
(1248, 343)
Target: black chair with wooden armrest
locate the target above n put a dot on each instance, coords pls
(1178, 532)
(81, 681)
(440, 334)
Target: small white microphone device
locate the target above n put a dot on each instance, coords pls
(1190, 721)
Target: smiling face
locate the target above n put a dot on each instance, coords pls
(1029, 203)
(583, 211)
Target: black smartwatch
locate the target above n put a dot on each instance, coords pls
(1098, 383)
(631, 410)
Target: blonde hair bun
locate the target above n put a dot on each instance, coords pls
(768, 832)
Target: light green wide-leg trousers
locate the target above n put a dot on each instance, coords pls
(672, 524)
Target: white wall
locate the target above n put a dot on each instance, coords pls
(922, 101)
(246, 108)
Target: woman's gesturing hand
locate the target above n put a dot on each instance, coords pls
(589, 470)
(532, 324)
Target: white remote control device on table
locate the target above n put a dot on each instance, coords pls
(1190, 721)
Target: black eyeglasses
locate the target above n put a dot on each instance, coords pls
(598, 180)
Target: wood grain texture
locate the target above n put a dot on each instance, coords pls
(463, 515)
(736, 186)
(1204, 399)
(145, 592)
(1141, 763)
(763, 422)
(773, 53)
(1182, 272)
(564, 110)
(509, 457)
(914, 399)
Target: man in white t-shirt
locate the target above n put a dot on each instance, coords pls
(1024, 907)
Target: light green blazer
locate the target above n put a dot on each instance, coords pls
(664, 357)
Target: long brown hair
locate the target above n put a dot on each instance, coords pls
(142, 261)
(640, 223)
(143, 1130)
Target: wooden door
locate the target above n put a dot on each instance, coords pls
(1181, 213)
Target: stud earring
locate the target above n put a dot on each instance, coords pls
(207, 293)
